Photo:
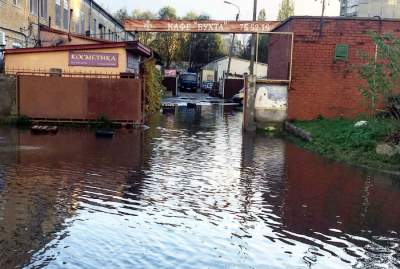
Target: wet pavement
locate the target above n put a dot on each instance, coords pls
(204, 99)
(190, 192)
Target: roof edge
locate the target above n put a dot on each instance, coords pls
(333, 18)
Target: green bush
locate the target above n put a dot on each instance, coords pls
(153, 87)
(23, 121)
(104, 122)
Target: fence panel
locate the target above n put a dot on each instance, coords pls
(79, 98)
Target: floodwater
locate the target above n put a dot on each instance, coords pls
(190, 192)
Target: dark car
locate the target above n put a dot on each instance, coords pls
(188, 81)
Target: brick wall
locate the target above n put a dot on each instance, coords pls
(321, 86)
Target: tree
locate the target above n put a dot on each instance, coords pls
(381, 72)
(121, 14)
(262, 15)
(144, 37)
(166, 44)
(197, 48)
(262, 43)
(286, 10)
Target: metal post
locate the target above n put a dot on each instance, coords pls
(253, 40)
(256, 64)
(233, 38)
(39, 43)
(231, 49)
(250, 88)
(249, 102)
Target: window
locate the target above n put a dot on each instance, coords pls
(58, 13)
(66, 14)
(3, 38)
(101, 28)
(82, 23)
(77, 27)
(43, 8)
(33, 7)
(341, 52)
(16, 2)
(109, 34)
(94, 27)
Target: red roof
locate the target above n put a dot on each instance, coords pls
(133, 46)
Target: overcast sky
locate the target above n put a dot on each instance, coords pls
(218, 10)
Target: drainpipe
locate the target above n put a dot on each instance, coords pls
(39, 44)
(71, 11)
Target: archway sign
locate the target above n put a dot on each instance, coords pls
(199, 26)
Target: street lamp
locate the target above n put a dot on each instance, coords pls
(233, 37)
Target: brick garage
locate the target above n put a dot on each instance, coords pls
(320, 85)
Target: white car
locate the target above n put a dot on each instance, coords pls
(238, 98)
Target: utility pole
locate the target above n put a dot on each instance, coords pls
(251, 81)
(231, 50)
(253, 41)
(233, 38)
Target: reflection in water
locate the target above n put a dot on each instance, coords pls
(191, 192)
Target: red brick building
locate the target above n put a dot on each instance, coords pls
(324, 79)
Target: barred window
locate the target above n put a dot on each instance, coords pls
(66, 15)
(58, 13)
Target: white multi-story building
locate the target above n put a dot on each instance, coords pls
(19, 20)
(370, 8)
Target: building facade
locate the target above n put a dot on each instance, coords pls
(19, 21)
(239, 67)
(370, 8)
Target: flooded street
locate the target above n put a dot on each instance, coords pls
(190, 192)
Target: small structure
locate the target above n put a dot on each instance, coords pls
(80, 83)
(110, 58)
(216, 70)
(230, 84)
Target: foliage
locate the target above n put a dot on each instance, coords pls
(381, 71)
(197, 49)
(121, 14)
(262, 15)
(286, 10)
(262, 43)
(153, 86)
(339, 139)
(104, 122)
(23, 121)
(145, 38)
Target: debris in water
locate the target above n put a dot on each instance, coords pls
(104, 133)
(37, 129)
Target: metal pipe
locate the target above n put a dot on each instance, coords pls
(257, 42)
(232, 47)
(253, 40)
(233, 38)
(291, 61)
(39, 42)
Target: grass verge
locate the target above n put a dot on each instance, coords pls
(338, 139)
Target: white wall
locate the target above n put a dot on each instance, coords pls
(238, 66)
